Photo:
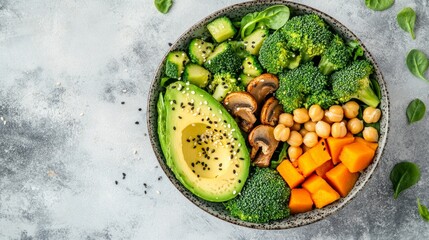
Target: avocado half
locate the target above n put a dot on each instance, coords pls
(202, 143)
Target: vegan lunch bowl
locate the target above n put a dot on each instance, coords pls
(269, 115)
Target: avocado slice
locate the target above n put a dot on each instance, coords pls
(202, 143)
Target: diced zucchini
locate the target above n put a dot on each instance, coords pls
(245, 79)
(254, 41)
(175, 64)
(199, 50)
(251, 66)
(221, 29)
(196, 75)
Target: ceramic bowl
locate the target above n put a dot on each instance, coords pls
(217, 209)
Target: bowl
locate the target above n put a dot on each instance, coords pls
(217, 209)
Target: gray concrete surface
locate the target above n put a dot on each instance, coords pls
(65, 136)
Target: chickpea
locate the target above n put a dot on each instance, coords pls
(351, 109)
(286, 119)
(295, 139)
(326, 119)
(296, 127)
(355, 125)
(310, 139)
(316, 113)
(281, 133)
(303, 131)
(323, 129)
(371, 115)
(300, 115)
(294, 153)
(370, 134)
(335, 113)
(339, 130)
(310, 126)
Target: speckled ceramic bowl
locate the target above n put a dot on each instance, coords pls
(217, 209)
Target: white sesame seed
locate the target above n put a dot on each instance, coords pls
(234, 192)
(158, 192)
(124, 90)
(135, 151)
(58, 84)
(81, 114)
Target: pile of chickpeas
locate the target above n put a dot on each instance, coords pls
(302, 129)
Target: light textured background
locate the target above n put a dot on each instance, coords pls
(65, 137)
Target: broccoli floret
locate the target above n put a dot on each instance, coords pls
(307, 33)
(353, 82)
(223, 59)
(264, 198)
(295, 85)
(275, 56)
(336, 56)
(222, 84)
(324, 98)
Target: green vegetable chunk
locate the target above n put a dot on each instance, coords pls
(264, 198)
(406, 19)
(245, 79)
(196, 75)
(416, 110)
(251, 66)
(223, 59)
(222, 84)
(423, 211)
(254, 41)
(417, 63)
(163, 6)
(403, 176)
(199, 50)
(221, 29)
(175, 64)
(353, 82)
(379, 5)
(336, 56)
(355, 49)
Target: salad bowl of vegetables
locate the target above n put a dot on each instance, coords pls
(269, 115)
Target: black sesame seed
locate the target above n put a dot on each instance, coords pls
(145, 185)
(188, 140)
(194, 147)
(213, 150)
(239, 181)
(116, 182)
(253, 46)
(193, 171)
(238, 150)
(173, 87)
(170, 44)
(174, 128)
(323, 143)
(236, 165)
(180, 117)
(137, 123)
(233, 171)
(122, 103)
(220, 169)
(208, 169)
(124, 175)
(173, 108)
(177, 55)
(145, 192)
(249, 63)
(220, 164)
(198, 175)
(193, 164)
(159, 178)
(241, 158)
(140, 109)
(232, 156)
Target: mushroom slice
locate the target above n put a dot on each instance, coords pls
(243, 106)
(263, 85)
(263, 145)
(271, 111)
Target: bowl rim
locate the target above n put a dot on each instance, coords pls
(268, 226)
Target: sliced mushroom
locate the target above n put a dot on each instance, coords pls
(263, 145)
(271, 111)
(243, 106)
(263, 85)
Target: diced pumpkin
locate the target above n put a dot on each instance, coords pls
(322, 170)
(320, 153)
(300, 201)
(356, 156)
(336, 145)
(290, 174)
(372, 145)
(306, 164)
(341, 179)
(321, 192)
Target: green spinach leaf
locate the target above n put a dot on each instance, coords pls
(273, 17)
(403, 176)
(417, 63)
(416, 110)
(406, 19)
(379, 5)
(423, 211)
(376, 87)
(282, 156)
(163, 5)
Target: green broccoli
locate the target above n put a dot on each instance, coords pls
(307, 33)
(264, 198)
(223, 59)
(336, 56)
(222, 84)
(353, 82)
(275, 56)
(295, 85)
(324, 98)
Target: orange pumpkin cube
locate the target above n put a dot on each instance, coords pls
(372, 145)
(290, 174)
(336, 145)
(341, 179)
(300, 201)
(320, 153)
(321, 192)
(356, 156)
(306, 164)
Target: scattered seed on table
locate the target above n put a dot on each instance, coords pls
(145, 185)
(140, 109)
(159, 178)
(116, 182)
(170, 44)
(122, 103)
(137, 123)
(124, 175)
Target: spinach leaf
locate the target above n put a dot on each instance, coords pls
(355, 49)
(376, 87)
(273, 17)
(163, 5)
(423, 211)
(406, 19)
(416, 110)
(403, 176)
(417, 63)
(379, 5)
(282, 156)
